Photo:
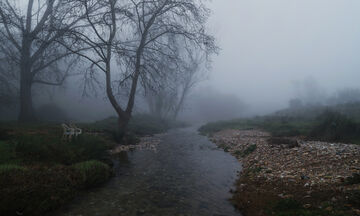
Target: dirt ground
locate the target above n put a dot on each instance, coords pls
(316, 174)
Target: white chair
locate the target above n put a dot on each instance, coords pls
(68, 131)
(77, 130)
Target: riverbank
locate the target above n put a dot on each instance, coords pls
(292, 176)
(40, 171)
(187, 175)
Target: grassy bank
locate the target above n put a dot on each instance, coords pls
(327, 125)
(39, 171)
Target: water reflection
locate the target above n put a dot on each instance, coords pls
(187, 176)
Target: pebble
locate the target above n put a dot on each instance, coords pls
(312, 163)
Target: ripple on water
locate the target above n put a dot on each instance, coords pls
(188, 175)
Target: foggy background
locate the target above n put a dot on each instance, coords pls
(271, 52)
(270, 47)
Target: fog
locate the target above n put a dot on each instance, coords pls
(267, 47)
(270, 52)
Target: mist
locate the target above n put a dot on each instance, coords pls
(190, 107)
(269, 46)
(270, 53)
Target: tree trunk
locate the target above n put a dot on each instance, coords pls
(123, 122)
(27, 113)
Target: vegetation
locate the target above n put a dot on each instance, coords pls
(35, 190)
(92, 173)
(327, 125)
(334, 126)
(39, 171)
(247, 151)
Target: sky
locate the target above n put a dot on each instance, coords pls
(267, 46)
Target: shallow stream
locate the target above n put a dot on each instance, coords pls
(187, 176)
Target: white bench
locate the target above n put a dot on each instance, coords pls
(70, 131)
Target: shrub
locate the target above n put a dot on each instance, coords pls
(85, 147)
(37, 190)
(34, 148)
(92, 173)
(335, 127)
(45, 149)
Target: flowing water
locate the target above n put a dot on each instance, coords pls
(188, 175)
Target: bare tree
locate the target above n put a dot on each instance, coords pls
(167, 99)
(34, 47)
(192, 75)
(136, 32)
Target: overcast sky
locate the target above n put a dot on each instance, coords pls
(267, 45)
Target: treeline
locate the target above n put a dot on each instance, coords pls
(338, 123)
(122, 48)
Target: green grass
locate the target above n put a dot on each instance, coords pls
(39, 172)
(40, 189)
(30, 149)
(92, 173)
(325, 126)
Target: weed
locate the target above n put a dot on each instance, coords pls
(92, 172)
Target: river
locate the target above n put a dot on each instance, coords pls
(188, 175)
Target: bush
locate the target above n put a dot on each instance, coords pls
(34, 148)
(44, 149)
(335, 127)
(36, 191)
(92, 173)
(85, 147)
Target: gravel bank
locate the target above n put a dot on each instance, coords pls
(311, 172)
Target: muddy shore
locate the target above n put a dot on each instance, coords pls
(322, 177)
